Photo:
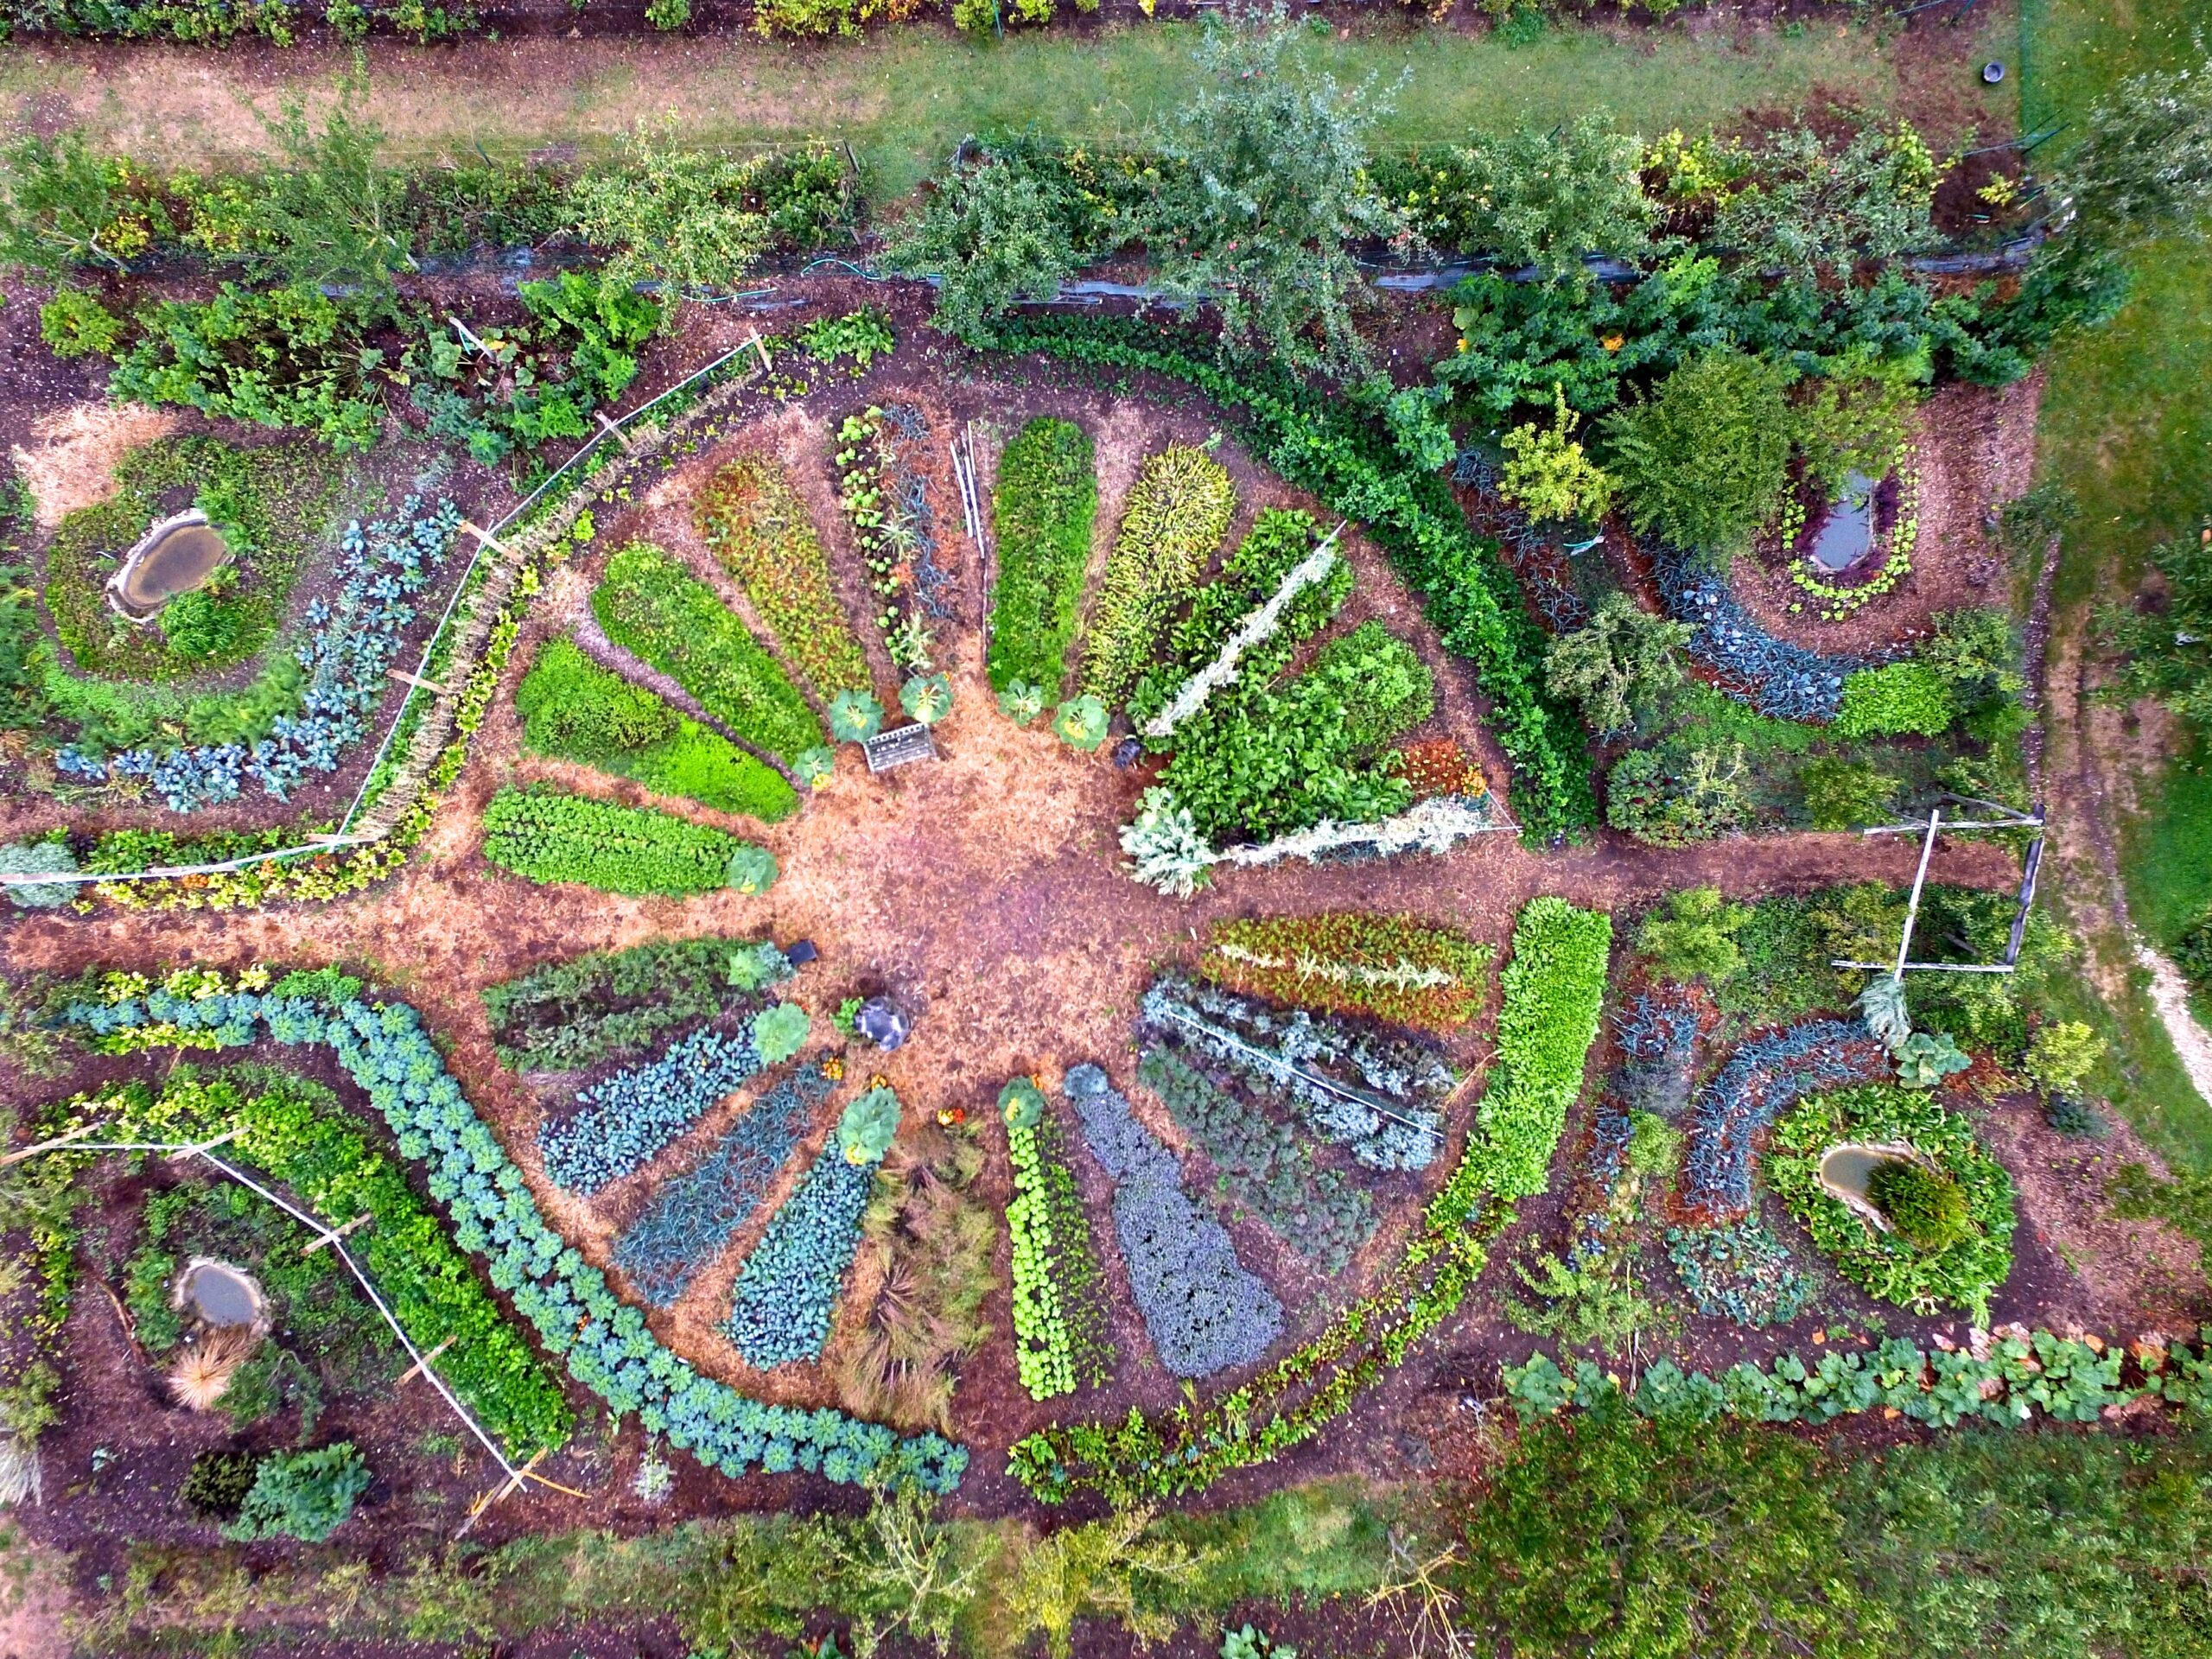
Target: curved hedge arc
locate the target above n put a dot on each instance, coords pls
(609, 1349)
(1468, 592)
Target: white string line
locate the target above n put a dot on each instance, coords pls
(1276, 1061)
(335, 1243)
(70, 878)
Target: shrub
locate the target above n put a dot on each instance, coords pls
(2061, 1054)
(1691, 935)
(1554, 990)
(1046, 496)
(758, 526)
(650, 605)
(1843, 794)
(780, 1030)
(1897, 699)
(1060, 1337)
(620, 1123)
(1535, 196)
(576, 710)
(790, 1282)
(693, 1215)
(303, 1495)
(216, 1484)
(1963, 1271)
(1616, 665)
(2071, 1115)
(1703, 460)
(1178, 510)
(1546, 474)
(547, 835)
(73, 323)
(1686, 791)
(1387, 967)
(609, 1005)
(693, 218)
(1204, 1310)
(1263, 1166)
(1926, 1210)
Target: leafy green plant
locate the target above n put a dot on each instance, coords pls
(2062, 1053)
(1928, 1211)
(1080, 723)
(1022, 701)
(750, 869)
(926, 697)
(217, 1483)
(1925, 1059)
(574, 709)
(1687, 790)
(1554, 987)
(547, 835)
(1908, 698)
(303, 1495)
(649, 604)
(1691, 934)
(1046, 496)
(854, 716)
(73, 323)
(567, 1016)
(865, 1132)
(780, 1032)
(1618, 664)
(1060, 1294)
(39, 858)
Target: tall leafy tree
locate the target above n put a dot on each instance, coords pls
(329, 217)
(1546, 196)
(1703, 460)
(1265, 191)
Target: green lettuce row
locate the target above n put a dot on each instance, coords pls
(608, 1345)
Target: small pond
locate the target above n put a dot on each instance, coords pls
(219, 1293)
(1847, 1172)
(175, 557)
(1847, 533)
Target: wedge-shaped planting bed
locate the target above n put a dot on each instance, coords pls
(753, 519)
(1046, 500)
(547, 835)
(1179, 510)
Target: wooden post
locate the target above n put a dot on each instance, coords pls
(182, 1153)
(514, 1483)
(1912, 906)
(423, 1364)
(613, 430)
(761, 346)
(485, 537)
(415, 680)
(78, 1134)
(335, 1233)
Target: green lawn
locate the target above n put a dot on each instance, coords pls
(904, 98)
(2125, 423)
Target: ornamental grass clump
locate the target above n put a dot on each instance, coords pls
(1928, 1211)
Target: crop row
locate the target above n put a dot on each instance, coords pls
(1060, 1296)
(608, 1345)
(1349, 962)
(1554, 992)
(1047, 497)
(548, 835)
(650, 605)
(1177, 513)
(611, 1004)
(757, 525)
(620, 1123)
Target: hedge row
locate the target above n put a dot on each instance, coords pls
(1321, 443)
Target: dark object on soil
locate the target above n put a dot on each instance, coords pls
(218, 1483)
(1993, 71)
(899, 748)
(882, 1022)
(2070, 1114)
(799, 954)
(1127, 751)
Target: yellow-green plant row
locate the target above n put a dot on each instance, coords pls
(1059, 1297)
(1178, 511)
(548, 835)
(760, 530)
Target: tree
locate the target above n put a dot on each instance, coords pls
(328, 217)
(1856, 417)
(682, 217)
(62, 207)
(1548, 475)
(1617, 665)
(1703, 460)
(2168, 645)
(1608, 1536)
(1265, 190)
(2143, 165)
(1692, 935)
(995, 232)
(1546, 196)
(1811, 210)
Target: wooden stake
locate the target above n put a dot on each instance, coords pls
(415, 680)
(514, 1483)
(77, 1133)
(182, 1153)
(337, 1233)
(423, 1364)
(614, 431)
(485, 537)
(761, 346)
